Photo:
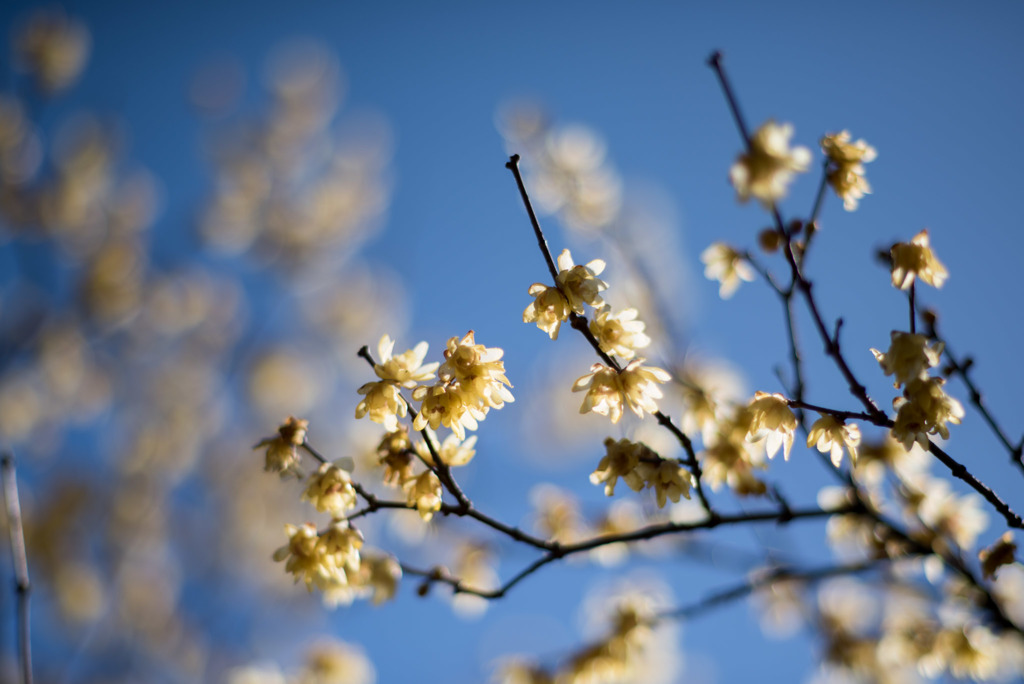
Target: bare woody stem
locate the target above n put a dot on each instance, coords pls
(645, 533)
(962, 368)
(23, 586)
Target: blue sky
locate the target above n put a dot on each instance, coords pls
(935, 87)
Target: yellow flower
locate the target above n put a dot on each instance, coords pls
(320, 560)
(916, 259)
(395, 453)
(330, 489)
(621, 460)
(668, 479)
(909, 356)
(53, 49)
(282, 455)
(727, 266)
(1001, 553)
(639, 388)
(619, 334)
(447, 405)
(580, 284)
(846, 171)
(604, 392)
(404, 369)
(478, 370)
(383, 402)
(424, 492)
(767, 168)
(452, 451)
(549, 309)
(831, 435)
(924, 409)
(771, 417)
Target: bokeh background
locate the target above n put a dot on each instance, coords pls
(231, 199)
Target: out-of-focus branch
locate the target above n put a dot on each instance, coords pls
(642, 534)
(744, 589)
(19, 558)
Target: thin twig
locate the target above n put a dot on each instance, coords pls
(23, 585)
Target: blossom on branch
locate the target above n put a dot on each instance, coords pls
(320, 560)
(915, 259)
(548, 310)
(909, 356)
(424, 493)
(620, 333)
(448, 405)
(406, 369)
(771, 417)
(604, 392)
(580, 284)
(831, 435)
(766, 169)
(845, 171)
(282, 451)
(383, 402)
(727, 266)
(479, 371)
(924, 409)
(330, 490)
(621, 460)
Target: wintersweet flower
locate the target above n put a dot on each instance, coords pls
(924, 409)
(383, 402)
(639, 388)
(320, 560)
(845, 170)
(548, 310)
(767, 168)
(909, 356)
(669, 480)
(831, 435)
(604, 392)
(452, 451)
(478, 371)
(1001, 553)
(395, 453)
(424, 493)
(448, 405)
(915, 259)
(621, 459)
(342, 543)
(619, 334)
(960, 518)
(406, 369)
(282, 451)
(580, 284)
(771, 417)
(727, 266)
(330, 490)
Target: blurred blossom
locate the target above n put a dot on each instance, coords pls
(281, 382)
(336, 662)
(52, 48)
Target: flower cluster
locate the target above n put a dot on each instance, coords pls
(925, 408)
(610, 391)
(383, 399)
(730, 458)
(641, 467)
(321, 560)
(765, 170)
(845, 171)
